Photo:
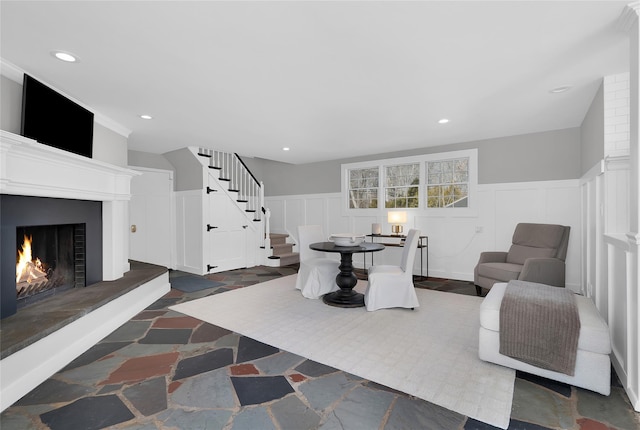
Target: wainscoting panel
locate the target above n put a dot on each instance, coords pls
(455, 242)
(608, 273)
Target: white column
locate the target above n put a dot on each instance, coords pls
(629, 22)
(115, 239)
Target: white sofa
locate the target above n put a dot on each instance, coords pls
(593, 365)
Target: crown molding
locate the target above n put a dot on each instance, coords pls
(16, 74)
(11, 71)
(629, 16)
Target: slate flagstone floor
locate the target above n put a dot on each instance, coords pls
(163, 370)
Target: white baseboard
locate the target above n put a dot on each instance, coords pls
(24, 370)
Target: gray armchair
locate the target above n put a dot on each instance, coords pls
(537, 254)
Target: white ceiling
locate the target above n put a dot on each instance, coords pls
(328, 79)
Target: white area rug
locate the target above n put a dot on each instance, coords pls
(430, 353)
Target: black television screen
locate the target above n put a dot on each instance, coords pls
(54, 120)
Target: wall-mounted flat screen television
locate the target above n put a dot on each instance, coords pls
(54, 120)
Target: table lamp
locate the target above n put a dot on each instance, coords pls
(396, 219)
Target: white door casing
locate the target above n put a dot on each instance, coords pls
(151, 232)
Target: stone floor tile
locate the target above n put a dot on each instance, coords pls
(54, 391)
(323, 391)
(148, 315)
(173, 294)
(589, 424)
(137, 425)
(291, 413)
(141, 350)
(614, 410)
(15, 421)
(211, 390)
(148, 397)
(167, 336)
(128, 332)
(208, 333)
(178, 273)
(244, 369)
(230, 341)
(163, 303)
(559, 387)
(253, 390)
(410, 413)
(278, 364)
(108, 389)
(91, 374)
(472, 424)
(141, 368)
(313, 368)
(361, 409)
(249, 349)
(297, 377)
(377, 386)
(535, 404)
(88, 414)
(94, 353)
(201, 420)
(173, 386)
(253, 419)
(203, 363)
(176, 322)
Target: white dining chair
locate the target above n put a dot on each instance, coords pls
(392, 286)
(317, 273)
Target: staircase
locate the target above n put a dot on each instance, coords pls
(248, 194)
(282, 252)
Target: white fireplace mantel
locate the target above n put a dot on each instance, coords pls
(30, 168)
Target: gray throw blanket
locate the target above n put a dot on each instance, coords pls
(540, 325)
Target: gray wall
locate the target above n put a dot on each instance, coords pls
(10, 105)
(550, 155)
(188, 169)
(592, 133)
(109, 146)
(146, 159)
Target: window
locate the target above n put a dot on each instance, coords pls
(402, 186)
(363, 188)
(438, 184)
(448, 183)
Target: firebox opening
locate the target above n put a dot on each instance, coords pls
(49, 260)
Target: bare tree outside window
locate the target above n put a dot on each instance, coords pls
(402, 184)
(448, 183)
(363, 188)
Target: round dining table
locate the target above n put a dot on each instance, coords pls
(345, 297)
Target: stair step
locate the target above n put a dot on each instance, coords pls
(287, 259)
(282, 249)
(278, 238)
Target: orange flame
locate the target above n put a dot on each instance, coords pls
(25, 266)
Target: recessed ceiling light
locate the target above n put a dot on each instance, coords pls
(286, 148)
(146, 117)
(65, 56)
(561, 89)
(443, 121)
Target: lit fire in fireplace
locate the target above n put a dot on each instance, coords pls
(28, 270)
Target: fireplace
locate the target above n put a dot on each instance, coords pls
(50, 259)
(59, 188)
(61, 244)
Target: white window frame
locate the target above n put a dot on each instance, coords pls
(471, 210)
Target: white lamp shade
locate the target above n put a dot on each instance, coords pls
(397, 217)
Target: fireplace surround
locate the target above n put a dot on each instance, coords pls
(18, 212)
(66, 188)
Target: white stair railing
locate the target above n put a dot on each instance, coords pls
(233, 170)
